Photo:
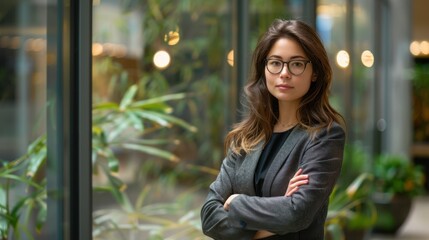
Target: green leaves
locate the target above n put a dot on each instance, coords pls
(15, 211)
(351, 208)
(116, 127)
(124, 126)
(397, 175)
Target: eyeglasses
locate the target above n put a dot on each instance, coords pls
(295, 67)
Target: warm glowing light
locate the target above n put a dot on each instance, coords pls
(28, 44)
(172, 38)
(15, 43)
(343, 59)
(415, 48)
(424, 47)
(161, 59)
(120, 51)
(108, 49)
(97, 49)
(230, 58)
(367, 58)
(38, 45)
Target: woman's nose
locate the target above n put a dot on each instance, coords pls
(285, 71)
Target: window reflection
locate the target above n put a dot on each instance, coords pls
(22, 117)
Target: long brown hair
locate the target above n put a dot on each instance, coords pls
(314, 112)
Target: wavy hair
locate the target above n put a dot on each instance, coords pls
(314, 112)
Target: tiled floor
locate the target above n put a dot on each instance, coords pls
(416, 226)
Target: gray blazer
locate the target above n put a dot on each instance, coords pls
(300, 216)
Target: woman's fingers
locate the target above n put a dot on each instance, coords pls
(298, 183)
(228, 201)
(292, 191)
(298, 172)
(297, 180)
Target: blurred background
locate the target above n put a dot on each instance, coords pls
(163, 82)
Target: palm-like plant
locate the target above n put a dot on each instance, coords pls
(22, 191)
(116, 126)
(126, 125)
(351, 208)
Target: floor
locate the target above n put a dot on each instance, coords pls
(416, 226)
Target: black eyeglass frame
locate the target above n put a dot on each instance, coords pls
(287, 65)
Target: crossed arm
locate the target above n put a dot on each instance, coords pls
(226, 215)
(297, 180)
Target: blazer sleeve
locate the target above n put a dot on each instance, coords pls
(214, 218)
(321, 160)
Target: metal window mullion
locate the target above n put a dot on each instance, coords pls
(80, 174)
(69, 120)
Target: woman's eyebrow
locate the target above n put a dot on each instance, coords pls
(293, 57)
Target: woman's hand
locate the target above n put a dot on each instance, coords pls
(228, 201)
(297, 180)
(262, 234)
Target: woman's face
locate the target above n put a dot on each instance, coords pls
(284, 85)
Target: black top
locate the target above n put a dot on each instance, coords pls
(267, 157)
(264, 163)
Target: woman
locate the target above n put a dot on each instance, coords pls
(284, 158)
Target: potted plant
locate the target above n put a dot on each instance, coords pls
(396, 182)
(351, 214)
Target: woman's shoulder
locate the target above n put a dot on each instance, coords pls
(333, 130)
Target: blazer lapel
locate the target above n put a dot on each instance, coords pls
(245, 174)
(280, 159)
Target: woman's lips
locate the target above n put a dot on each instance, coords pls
(284, 86)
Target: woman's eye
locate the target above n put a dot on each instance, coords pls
(275, 63)
(297, 64)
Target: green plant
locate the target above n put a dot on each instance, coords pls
(146, 220)
(397, 175)
(350, 209)
(356, 162)
(23, 193)
(420, 102)
(130, 125)
(127, 125)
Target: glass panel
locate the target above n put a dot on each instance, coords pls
(22, 118)
(331, 20)
(161, 82)
(363, 73)
(348, 37)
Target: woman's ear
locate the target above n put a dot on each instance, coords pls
(313, 77)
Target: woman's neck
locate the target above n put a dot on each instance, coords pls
(287, 116)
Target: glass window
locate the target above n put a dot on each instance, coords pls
(161, 87)
(348, 35)
(363, 86)
(331, 25)
(23, 30)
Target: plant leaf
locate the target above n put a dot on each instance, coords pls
(105, 106)
(154, 101)
(128, 97)
(152, 151)
(150, 115)
(35, 162)
(174, 120)
(335, 231)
